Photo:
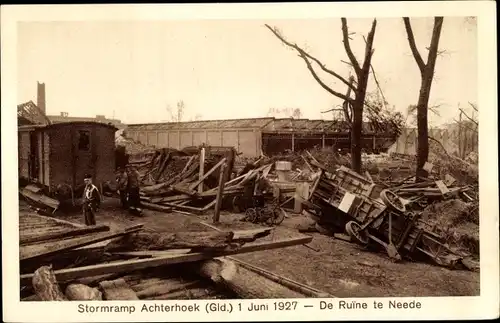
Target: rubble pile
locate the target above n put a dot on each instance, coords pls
(436, 219)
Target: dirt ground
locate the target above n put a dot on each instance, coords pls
(339, 267)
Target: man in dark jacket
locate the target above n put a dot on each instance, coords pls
(91, 200)
(122, 183)
(134, 198)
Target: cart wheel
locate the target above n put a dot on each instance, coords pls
(278, 216)
(392, 200)
(353, 230)
(250, 215)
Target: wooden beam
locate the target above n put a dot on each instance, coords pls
(156, 207)
(132, 265)
(50, 218)
(65, 233)
(30, 252)
(218, 199)
(202, 178)
(202, 169)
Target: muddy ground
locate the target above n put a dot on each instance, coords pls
(340, 268)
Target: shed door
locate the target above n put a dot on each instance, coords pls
(83, 155)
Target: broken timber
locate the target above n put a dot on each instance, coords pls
(247, 284)
(195, 240)
(132, 265)
(64, 234)
(30, 252)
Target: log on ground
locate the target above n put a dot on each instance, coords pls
(46, 286)
(117, 290)
(203, 240)
(245, 283)
(80, 292)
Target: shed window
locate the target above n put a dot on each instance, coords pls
(84, 140)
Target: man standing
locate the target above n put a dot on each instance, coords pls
(122, 183)
(91, 200)
(260, 189)
(134, 198)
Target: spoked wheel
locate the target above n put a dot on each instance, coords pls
(276, 217)
(250, 215)
(393, 201)
(353, 229)
(258, 215)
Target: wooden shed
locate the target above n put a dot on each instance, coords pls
(58, 156)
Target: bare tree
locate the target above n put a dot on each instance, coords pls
(285, 112)
(427, 75)
(178, 114)
(352, 106)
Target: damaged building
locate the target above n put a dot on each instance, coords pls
(251, 137)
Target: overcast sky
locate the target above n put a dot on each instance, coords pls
(230, 68)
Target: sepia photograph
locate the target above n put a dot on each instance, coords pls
(253, 159)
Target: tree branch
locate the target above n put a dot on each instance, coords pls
(433, 48)
(369, 47)
(317, 61)
(323, 85)
(347, 46)
(413, 45)
(473, 106)
(378, 85)
(465, 114)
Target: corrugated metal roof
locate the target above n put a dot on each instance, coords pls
(264, 124)
(203, 124)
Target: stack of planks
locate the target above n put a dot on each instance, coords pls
(138, 264)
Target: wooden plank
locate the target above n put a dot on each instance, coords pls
(54, 219)
(156, 207)
(202, 178)
(201, 170)
(65, 234)
(218, 199)
(40, 198)
(30, 252)
(133, 265)
(117, 290)
(442, 187)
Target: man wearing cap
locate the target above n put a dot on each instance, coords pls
(91, 200)
(134, 198)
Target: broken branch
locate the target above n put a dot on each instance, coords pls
(347, 46)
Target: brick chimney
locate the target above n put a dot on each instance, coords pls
(40, 100)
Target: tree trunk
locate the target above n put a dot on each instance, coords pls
(356, 133)
(422, 125)
(427, 74)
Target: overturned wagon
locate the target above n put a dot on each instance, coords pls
(56, 157)
(346, 201)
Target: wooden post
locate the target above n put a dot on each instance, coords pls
(218, 201)
(293, 141)
(323, 141)
(202, 169)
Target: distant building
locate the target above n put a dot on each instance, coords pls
(29, 113)
(251, 137)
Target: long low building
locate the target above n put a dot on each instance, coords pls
(251, 137)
